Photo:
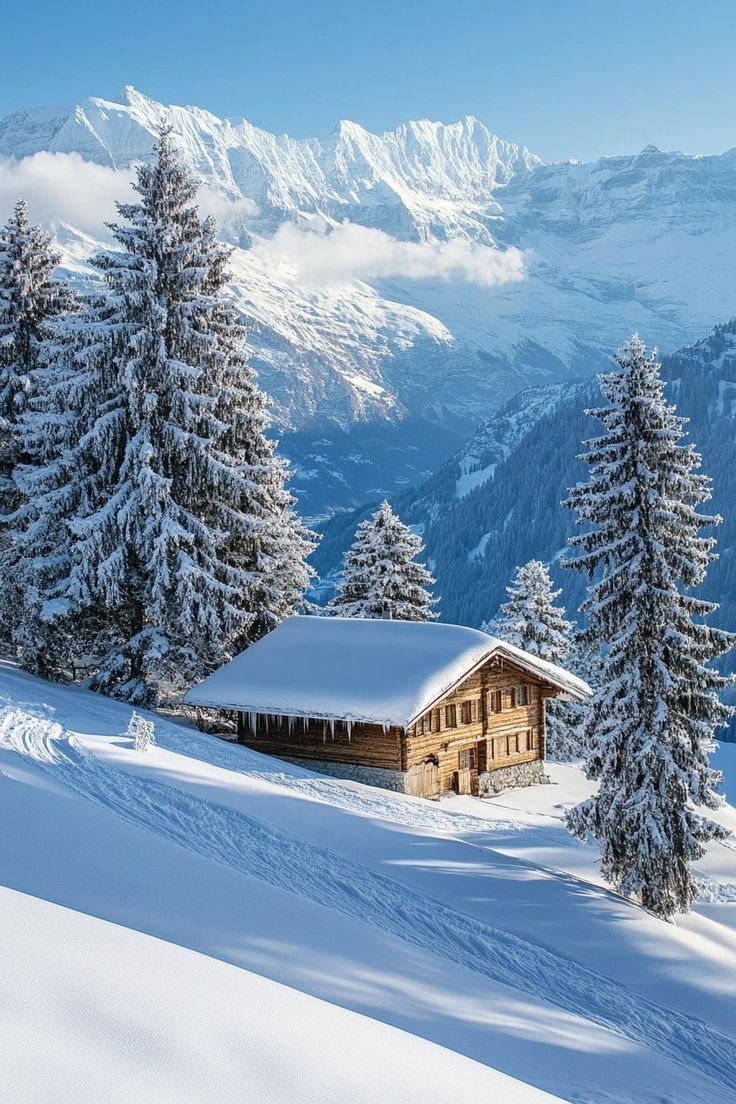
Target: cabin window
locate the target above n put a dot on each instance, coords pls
(495, 701)
(514, 744)
(533, 738)
(466, 712)
(450, 716)
(426, 723)
(523, 695)
(466, 759)
(500, 747)
(436, 720)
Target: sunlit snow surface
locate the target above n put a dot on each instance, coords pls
(253, 909)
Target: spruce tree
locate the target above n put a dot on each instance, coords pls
(381, 577)
(56, 483)
(31, 302)
(653, 718)
(185, 546)
(531, 620)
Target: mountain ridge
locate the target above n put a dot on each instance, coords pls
(644, 241)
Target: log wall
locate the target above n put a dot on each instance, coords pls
(363, 744)
(493, 739)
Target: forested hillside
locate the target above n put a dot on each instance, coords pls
(524, 460)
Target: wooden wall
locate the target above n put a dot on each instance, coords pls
(366, 745)
(500, 739)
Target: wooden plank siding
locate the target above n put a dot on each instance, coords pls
(501, 739)
(366, 745)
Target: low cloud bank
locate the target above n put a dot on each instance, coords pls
(321, 255)
(63, 188)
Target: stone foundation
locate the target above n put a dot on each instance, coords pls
(507, 778)
(372, 776)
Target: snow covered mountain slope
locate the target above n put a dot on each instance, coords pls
(420, 178)
(172, 878)
(178, 1027)
(375, 272)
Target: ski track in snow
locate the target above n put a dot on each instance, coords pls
(257, 849)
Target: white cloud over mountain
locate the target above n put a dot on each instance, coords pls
(322, 255)
(63, 188)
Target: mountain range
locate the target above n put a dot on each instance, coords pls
(400, 288)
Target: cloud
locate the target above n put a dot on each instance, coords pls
(228, 212)
(64, 188)
(320, 255)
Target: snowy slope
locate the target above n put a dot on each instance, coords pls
(478, 927)
(177, 1027)
(643, 242)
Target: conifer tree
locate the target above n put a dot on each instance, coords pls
(31, 301)
(56, 483)
(531, 620)
(653, 718)
(381, 577)
(185, 546)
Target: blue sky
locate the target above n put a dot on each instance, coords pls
(569, 78)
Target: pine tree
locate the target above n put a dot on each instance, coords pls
(185, 546)
(531, 620)
(31, 301)
(141, 731)
(653, 718)
(381, 577)
(56, 483)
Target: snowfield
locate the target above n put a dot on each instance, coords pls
(204, 923)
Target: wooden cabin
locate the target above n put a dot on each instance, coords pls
(418, 707)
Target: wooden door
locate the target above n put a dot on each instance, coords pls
(463, 781)
(424, 780)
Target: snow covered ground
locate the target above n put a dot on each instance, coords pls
(201, 922)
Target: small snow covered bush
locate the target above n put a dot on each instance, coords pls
(141, 732)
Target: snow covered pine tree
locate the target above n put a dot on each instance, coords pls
(186, 542)
(531, 620)
(654, 715)
(30, 299)
(381, 577)
(141, 731)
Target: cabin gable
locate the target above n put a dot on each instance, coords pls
(492, 720)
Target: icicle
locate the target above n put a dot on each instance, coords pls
(332, 728)
(349, 726)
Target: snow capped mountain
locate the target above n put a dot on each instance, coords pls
(430, 173)
(379, 273)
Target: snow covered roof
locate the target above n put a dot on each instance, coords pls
(355, 669)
